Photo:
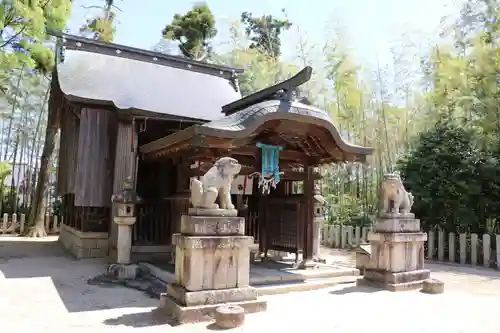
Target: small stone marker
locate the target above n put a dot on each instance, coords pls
(229, 316)
(433, 286)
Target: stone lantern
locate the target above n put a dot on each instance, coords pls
(319, 205)
(124, 216)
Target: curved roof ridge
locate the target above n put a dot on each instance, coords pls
(244, 122)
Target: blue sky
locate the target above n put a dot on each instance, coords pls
(370, 25)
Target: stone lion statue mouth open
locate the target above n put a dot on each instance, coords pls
(216, 183)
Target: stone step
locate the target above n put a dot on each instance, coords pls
(265, 276)
(157, 272)
(307, 285)
(269, 276)
(280, 283)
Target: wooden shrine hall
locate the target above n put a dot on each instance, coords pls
(161, 120)
(281, 220)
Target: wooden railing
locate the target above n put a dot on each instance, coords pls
(464, 248)
(158, 220)
(16, 224)
(281, 228)
(252, 225)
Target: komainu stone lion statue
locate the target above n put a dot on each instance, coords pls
(393, 192)
(215, 183)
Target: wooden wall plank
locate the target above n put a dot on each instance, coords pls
(68, 149)
(94, 173)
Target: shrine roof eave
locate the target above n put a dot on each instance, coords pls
(243, 127)
(141, 82)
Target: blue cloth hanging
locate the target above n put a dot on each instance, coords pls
(270, 161)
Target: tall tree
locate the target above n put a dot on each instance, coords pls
(37, 209)
(102, 26)
(261, 71)
(193, 31)
(265, 32)
(22, 33)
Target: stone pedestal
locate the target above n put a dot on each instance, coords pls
(397, 253)
(124, 239)
(123, 269)
(317, 223)
(212, 267)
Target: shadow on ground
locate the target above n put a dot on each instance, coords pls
(215, 327)
(26, 263)
(154, 317)
(354, 288)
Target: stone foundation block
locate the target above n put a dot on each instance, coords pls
(198, 313)
(229, 316)
(395, 281)
(212, 225)
(433, 286)
(84, 245)
(208, 297)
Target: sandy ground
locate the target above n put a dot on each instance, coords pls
(43, 290)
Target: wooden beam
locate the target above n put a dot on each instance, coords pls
(284, 154)
(72, 42)
(287, 86)
(246, 171)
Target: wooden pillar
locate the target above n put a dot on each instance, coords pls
(262, 220)
(309, 213)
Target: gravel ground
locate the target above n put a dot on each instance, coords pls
(43, 290)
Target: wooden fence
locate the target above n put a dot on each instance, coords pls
(472, 249)
(16, 223)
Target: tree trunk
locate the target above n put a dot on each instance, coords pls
(35, 147)
(13, 189)
(37, 213)
(13, 111)
(21, 174)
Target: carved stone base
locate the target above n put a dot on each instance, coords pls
(212, 262)
(396, 255)
(212, 268)
(212, 212)
(198, 313)
(385, 215)
(397, 224)
(396, 252)
(212, 225)
(395, 281)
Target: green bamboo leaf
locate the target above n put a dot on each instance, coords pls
(2, 16)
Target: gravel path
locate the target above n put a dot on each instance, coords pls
(43, 290)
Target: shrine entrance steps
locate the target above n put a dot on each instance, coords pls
(273, 278)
